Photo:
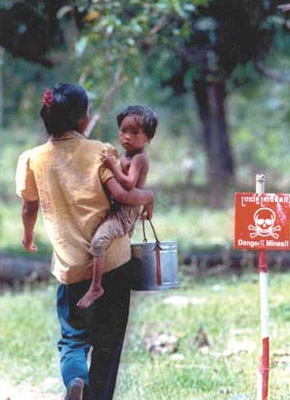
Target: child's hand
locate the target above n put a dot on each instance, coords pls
(108, 160)
(28, 244)
(147, 211)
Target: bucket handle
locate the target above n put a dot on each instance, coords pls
(154, 233)
(156, 249)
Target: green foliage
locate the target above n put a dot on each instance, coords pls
(200, 39)
(24, 83)
(165, 42)
(15, 141)
(5, 4)
(259, 120)
(121, 32)
(172, 41)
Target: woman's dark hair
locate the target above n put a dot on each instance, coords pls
(63, 107)
(148, 117)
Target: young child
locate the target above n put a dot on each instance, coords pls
(137, 125)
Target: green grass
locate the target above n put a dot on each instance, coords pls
(227, 310)
(11, 231)
(29, 329)
(190, 227)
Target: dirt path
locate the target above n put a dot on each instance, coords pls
(25, 392)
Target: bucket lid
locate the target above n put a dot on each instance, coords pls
(167, 244)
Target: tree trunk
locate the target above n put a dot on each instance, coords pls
(16, 270)
(211, 98)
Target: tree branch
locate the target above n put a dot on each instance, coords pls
(275, 75)
(83, 76)
(161, 23)
(110, 95)
(108, 98)
(284, 7)
(92, 123)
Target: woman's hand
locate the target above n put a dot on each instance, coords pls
(28, 243)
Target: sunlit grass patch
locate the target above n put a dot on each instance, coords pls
(190, 227)
(28, 335)
(227, 311)
(11, 231)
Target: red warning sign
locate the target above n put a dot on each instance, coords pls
(262, 221)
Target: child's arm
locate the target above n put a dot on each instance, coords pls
(29, 217)
(134, 197)
(129, 181)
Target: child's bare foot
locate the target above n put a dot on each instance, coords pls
(90, 297)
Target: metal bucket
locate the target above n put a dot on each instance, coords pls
(154, 264)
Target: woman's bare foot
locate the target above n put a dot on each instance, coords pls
(90, 297)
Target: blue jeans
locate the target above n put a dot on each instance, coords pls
(101, 327)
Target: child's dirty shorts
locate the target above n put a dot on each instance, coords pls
(116, 224)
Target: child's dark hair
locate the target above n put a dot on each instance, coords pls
(149, 120)
(63, 107)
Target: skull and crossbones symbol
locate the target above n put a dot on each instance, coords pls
(264, 219)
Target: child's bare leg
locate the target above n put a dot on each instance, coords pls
(95, 290)
(108, 230)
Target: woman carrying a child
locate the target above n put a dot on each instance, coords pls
(67, 179)
(137, 125)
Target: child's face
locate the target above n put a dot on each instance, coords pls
(131, 133)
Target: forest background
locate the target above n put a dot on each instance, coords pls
(216, 72)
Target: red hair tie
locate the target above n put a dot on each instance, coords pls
(47, 99)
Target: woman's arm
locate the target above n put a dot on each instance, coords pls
(129, 181)
(29, 217)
